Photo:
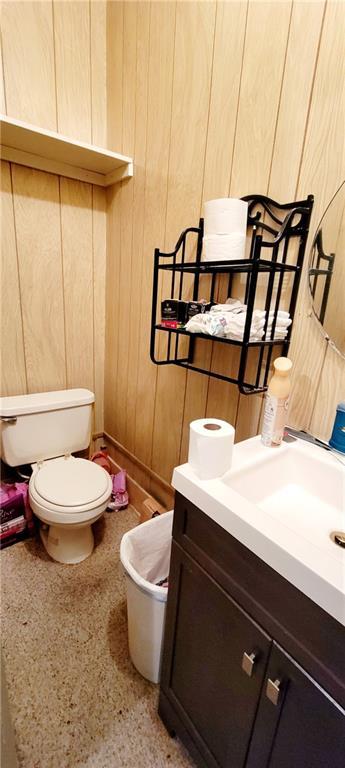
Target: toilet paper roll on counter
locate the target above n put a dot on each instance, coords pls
(210, 447)
(224, 247)
(225, 216)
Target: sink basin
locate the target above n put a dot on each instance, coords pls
(283, 503)
(299, 488)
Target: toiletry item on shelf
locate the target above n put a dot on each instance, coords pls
(210, 447)
(197, 307)
(173, 313)
(276, 403)
(337, 440)
(225, 226)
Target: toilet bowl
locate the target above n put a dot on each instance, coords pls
(68, 494)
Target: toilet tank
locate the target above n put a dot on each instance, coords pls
(44, 425)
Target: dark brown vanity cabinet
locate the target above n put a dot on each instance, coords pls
(228, 689)
(297, 723)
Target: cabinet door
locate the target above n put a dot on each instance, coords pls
(212, 685)
(298, 725)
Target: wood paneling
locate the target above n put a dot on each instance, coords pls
(141, 117)
(239, 99)
(73, 68)
(190, 106)
(114, 66)
(261, 78)
(126, 221)
(262, 72)
(299, 69)
(334, 323)
(113, 194)
(230, 29)
(99, 237)
(331, 391)
(28, 54)
(322, 171)
(112, 297)
(160, 74)
(76, 233)
(55, 76)
(37, 222)
(2, 83)
(98, 31)
(13, 373)
(99, 136)
(282, 183)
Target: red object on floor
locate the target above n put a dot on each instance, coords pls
(101, 458)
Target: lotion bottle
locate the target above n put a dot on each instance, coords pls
(276, 403)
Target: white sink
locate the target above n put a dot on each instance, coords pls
(282, 503)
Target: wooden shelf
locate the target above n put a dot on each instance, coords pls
(49, 151)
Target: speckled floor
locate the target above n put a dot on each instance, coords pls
(76, 699)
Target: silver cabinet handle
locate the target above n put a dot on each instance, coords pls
(273, 690)
(248, 661)
(8, 419)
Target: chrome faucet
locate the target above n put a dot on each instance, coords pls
(302, 435)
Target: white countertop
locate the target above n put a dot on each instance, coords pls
(297, 545)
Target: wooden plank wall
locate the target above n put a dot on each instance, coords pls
(53, 229)
(217, 99)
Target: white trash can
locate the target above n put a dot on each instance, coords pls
(145, 556)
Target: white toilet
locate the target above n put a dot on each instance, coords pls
(66, 493)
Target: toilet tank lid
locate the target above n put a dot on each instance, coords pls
(19, 405)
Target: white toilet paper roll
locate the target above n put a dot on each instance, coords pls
(224, 247)
(210, 447)
(222, 224)
(225, 216)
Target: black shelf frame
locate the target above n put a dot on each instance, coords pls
(283, 224)
(318, 271)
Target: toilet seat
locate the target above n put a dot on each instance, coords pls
(70, 488)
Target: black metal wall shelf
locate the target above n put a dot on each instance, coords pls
(282, 226)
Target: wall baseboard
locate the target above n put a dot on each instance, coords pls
(145, 477)
(147, 491)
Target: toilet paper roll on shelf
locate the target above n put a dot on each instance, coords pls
(224, 247)
(225, 228)
(225, 216)
(210, 447)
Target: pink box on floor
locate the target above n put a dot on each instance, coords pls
(12, 527)
(15, 511)
(12, 502)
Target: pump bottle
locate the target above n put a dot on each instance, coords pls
(276, 403)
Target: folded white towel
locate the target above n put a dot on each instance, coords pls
(230, 319)
(255, 336)
(233, 305)
(262, 313)
(258, 321)
(213, 324)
